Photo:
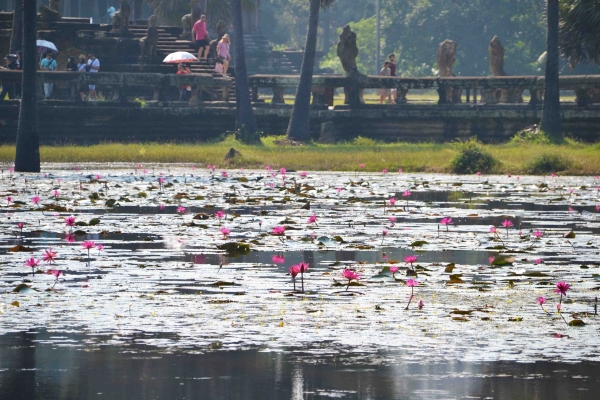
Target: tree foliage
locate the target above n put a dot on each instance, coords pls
(580, 31)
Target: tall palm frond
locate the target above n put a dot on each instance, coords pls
(580, 31)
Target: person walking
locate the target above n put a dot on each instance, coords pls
(81, 67)
(71, 67)
(48, 64)
(183, 69)
(223, 56)
(385, 71)
(93, 66)
(19, 67)
(394, 92)
(8, 88)
(201, 34)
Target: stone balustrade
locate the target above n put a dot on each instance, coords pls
(323, 87)
(119, 81)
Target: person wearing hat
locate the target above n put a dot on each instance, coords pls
(71, 67)
(81, 66)
(93, 66)
(48, 64)
(223, 56)
(8, 87)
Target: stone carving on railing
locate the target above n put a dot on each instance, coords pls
(347, 51)
(149, 42)
(51, 13)
(120, 20)
(494, 95)
(188, 20)
(445, 58)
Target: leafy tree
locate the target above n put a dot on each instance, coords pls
(16, 39)
(28, 147)
(299, 126)
(580, 31)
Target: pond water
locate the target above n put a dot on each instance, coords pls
(163, 293)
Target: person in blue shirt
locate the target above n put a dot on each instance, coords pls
(48, 64)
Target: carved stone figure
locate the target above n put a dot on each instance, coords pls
(52, 13)
(188, 20)
(120, 19)
(148, 43)
(347, 51)
(445, 58)
(493, 96)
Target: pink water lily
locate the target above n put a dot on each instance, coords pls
(70, 238)
(303, 174)
(294, 271)
(225, 231)
(278, 230)
(421, 304)
(181, 210)
(70, 221)
(35, 200)
(406, 193)
(224, 174)
(49, 256)
(562, 288)
(57, 273)
(493, 229)
(32, 262)
(351, 276)
(10, 199)
(361, 165)
(99, 247)
(393, 270)
(538, 261)
(411, 283)
(277, 259)
(384, 171)
(541, 300)
(392, 201)
(507, 224)
(410, 260)
(88, 245)
(446, 221)
(302, 268)
(538, 234)
(312, 219)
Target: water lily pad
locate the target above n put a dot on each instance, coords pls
(576, 322)
(20, 248)
(503, 260)
(235, 249)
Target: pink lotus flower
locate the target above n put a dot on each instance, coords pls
(478, 173)
(294, 270)
(406, 193)
(392, 219)
(54, 272)
(88, 244)
(225, 231)
(100, 247)
(162, 207)
(303, 174)
(339, 189)
(412, 282)
(161, 181)
(384, 171)
(558, 307)
(11, 170)
(312, 219)
(361, 165)
(35, 200)
(411, 259)
(393, 270)
(32, 262)
(219, 215)
(598, 207)
(491, 259)
(538, 261)
(392, 201)
(351, 276)
(538, 234)
(507, 223)
(493, 229)
(9, 200)
(224, 174)
(181, 210)
(384, 232)
(49, 256)
(421, 304)
(278, 230)
(277, 259)
(70, 221)
(446, 221)
(562, 288)
(400, 171)
(70, 238)
(20, 225)
(282, 171)
(56, 194)
(268, 168)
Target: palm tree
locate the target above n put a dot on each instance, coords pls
(299, 126)
(579, 30)
(28, 142)
(551, 121)
(245, 119)
(16, 39)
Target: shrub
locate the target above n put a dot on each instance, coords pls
(245, 136)
(548, 163)
(530, 135)
(362, 141)
(472, 158)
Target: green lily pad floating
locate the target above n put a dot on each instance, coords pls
(326, 241)
(234, 249)
(515, 319)
(418, 243)
(20, 248)
(569, 235)
(455, 279)
(94, 221)
(344, 284)
(110, 202)
(222, 283)
(503, 260)
(576, 322)
(449, 268)
(383, 274)
(23, 288)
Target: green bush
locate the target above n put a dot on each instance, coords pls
(363, 141)
(548, 163)
(472, 158)
(530, 135)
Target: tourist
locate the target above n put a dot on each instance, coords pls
(71, 67)
(392, 60)
(7, 87)
(81, 67)
(223, 56)
(19, 67)
(109, 13)
(183, 69)
(48, 64)
(201, 35)
(385, 71)
(93, 66)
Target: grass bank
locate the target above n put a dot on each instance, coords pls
(422, 157)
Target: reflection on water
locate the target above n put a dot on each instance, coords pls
(49, 366)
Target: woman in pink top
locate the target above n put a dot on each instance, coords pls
(223, 56)
(201, 35)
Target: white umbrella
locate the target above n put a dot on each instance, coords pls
(43, 46)
(180, 57)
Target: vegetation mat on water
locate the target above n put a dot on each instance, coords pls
(411, 157)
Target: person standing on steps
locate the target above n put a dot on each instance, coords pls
(201, 34)
(7, 87)
(93, 66)
(81, 67)
(183, 69)
(223, 56)
(71, 67)
(394, 93)
(48, 64)
(385, 71)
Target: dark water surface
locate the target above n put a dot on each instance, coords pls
(42, 365)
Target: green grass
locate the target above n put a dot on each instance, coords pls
(422, 157)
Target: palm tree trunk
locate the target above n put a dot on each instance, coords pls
(16, 40)
(551, 121)
(299, 126)
(245, 116)
(28, 148)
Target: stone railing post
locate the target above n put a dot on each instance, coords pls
(278, 93)
(319, 98)
(441, 89)
(196, 98)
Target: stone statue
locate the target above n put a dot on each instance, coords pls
(120, 19)
(148, 43)
(445, 58)
(347, 51)
(492, 96)
(52, 13)
(188, 20)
